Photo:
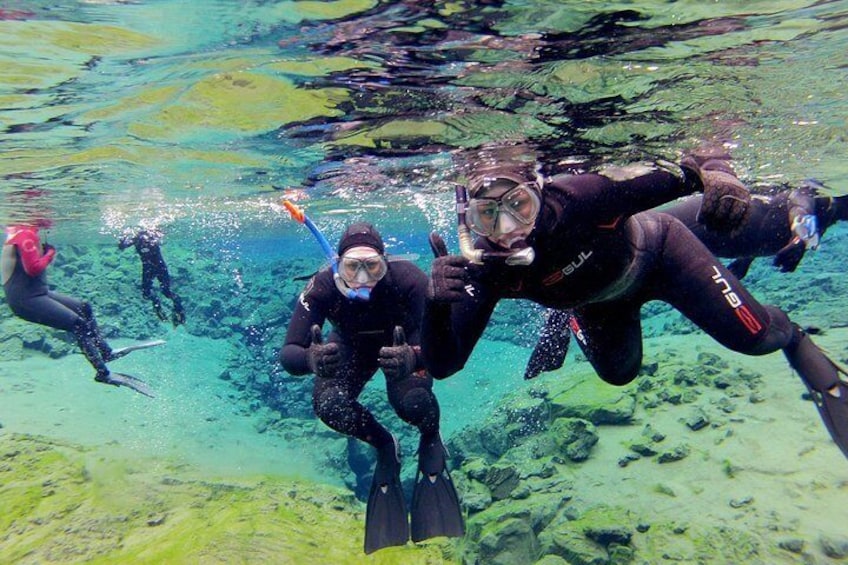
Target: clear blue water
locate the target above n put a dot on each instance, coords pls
(198, 117)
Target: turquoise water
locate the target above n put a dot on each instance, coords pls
(199, 117)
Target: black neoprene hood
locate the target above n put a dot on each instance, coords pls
(361, 233)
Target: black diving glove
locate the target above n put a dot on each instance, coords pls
(398, 361)
(324, 359)
(447, 275)
(726, 200)
(788, 258)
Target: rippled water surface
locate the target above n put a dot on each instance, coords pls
(201, 114)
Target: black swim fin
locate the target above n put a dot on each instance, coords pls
(827, 389)
(552, 347)
(121, 351)
(120, 379)
(386, 521)
(739, 267)
(435, 505)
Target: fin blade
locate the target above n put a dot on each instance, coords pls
(121, 351)
(435, 508)
(128, 381)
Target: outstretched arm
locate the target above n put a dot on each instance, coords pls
(33, 258)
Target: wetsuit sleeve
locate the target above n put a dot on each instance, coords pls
(310, 309)
(451, 330)
(29, 248)
(125, 242)
(623, 191)
(417, 289)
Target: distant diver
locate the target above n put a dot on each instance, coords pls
(147, 244)
(23, 264)
(375, 308)
(591, 243)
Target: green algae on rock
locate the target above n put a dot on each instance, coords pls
(64, 504)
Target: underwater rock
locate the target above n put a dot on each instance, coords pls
(596, 401)
(527, 415)
(675, 454)
(697, 419)
(551, 560)
(593, 537)
(792, 545)
(476, 496)
(834, 548)
(574, 437)
(501, 480)
(509, 542)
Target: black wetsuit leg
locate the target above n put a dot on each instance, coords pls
(164, 278)
(611, 338)
(51, 309)
(148, 275)
(89, 327)
(334, 401)
(677, 268)
(765, 231)
(414, 401)
(696, 283)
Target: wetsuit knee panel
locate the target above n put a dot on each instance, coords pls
(417, 404)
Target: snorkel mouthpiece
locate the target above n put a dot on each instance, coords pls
(522, 257)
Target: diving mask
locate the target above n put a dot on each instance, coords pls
(362, 270)
(521, 203)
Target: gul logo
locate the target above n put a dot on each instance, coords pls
(748, 319)
(577, 330)
(568, 269)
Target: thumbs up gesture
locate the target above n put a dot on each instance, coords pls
(324, 359)
(400, 360)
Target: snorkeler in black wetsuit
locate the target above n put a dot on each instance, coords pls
(586, 243)
(24, 262)
(380, 329)
(784, 225)
(147, 244)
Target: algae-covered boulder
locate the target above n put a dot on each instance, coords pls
(574, 437)
(591, 399)
(595, 537)
(509, 542)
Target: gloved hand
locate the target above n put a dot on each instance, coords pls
(790, 255)
(46, 248)
(323, 359)
(726, 200)
(398, 361)
(447, 275)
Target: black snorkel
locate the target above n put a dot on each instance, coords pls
(522, 257)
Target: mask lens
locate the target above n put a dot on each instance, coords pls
(522, 204)
(482, 215)
(372, 269)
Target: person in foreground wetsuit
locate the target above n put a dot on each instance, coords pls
(783, 225)
(375, 308)
(23, 264)
(147, 244)
(590, 243)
